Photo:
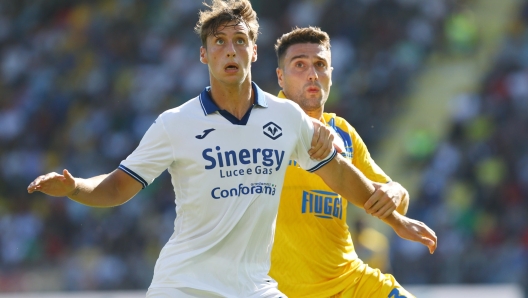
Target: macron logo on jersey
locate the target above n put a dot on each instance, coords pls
(272, 130)
(205, 133)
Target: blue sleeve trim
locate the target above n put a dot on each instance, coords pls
(134, 175)
(318, 166)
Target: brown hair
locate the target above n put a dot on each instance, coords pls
(300, 35)
(222, 12)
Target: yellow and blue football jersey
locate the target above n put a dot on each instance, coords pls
(313, 254)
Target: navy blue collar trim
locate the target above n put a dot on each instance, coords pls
(233, 119)
(209, 107)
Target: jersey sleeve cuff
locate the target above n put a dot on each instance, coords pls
(134, 175)
(322, 163)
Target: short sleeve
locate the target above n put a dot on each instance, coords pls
(362, 159)
(306, 131)
(153, 155)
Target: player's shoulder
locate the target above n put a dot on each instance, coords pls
(282, 104)
(190, 108)
(272, 99)
(339, 122)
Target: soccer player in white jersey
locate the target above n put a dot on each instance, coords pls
(226, 151)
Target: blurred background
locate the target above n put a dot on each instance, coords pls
(438, 90)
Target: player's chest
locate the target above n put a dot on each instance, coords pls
(219, 146)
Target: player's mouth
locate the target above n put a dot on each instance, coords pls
(313, 89)
(231, 68)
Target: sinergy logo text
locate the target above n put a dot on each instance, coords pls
(238, 162)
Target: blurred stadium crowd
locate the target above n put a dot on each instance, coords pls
(81, 81)
(474, 189)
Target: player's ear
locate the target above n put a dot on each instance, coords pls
(203, 57)
(254, 58)
(331, 69)
(279, 77)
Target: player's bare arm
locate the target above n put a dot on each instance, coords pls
(106, 190)
(387, 198)
(351, 184)
(347, 180)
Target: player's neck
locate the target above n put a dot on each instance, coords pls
(235, 99)
(316, 114)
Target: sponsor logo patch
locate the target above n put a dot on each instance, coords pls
(322, 204)
(272, 130)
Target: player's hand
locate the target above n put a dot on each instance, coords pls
(385, 199)
(54, 184)
(322, 141)
(414, 230)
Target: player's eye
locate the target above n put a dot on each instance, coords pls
(320, 64)
(240, 41)
(219, 41)
(299, 64)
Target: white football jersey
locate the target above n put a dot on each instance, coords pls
(227, 176)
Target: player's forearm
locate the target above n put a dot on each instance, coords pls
(95, 192)
(392, 220)
(345, 179)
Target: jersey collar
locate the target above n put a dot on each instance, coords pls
(210, 107)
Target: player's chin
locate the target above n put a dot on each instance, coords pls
(315, 96)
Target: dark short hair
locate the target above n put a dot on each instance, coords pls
(300, 35)
(222, 12)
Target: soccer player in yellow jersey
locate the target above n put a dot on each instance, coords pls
(313, 254)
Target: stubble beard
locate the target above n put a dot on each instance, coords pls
(311, 103)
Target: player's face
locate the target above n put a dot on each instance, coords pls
(229, 54)
(306, 75)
